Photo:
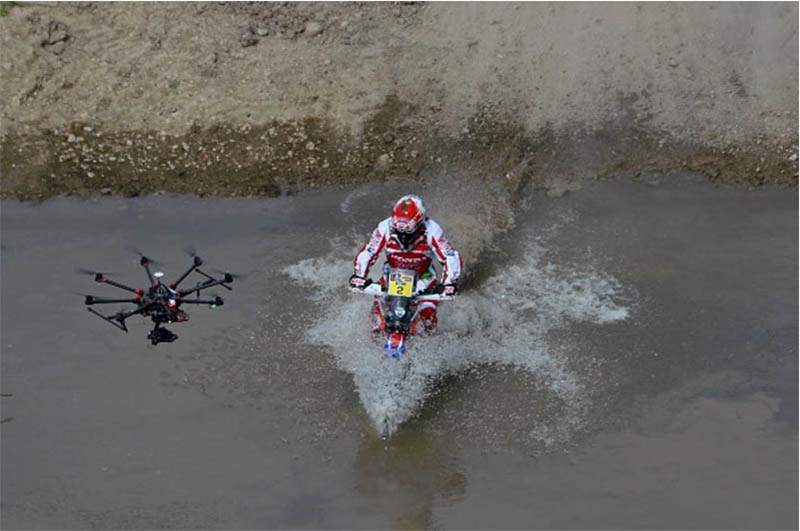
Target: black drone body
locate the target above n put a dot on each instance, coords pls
(161, 302)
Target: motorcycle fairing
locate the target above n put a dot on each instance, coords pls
(395, 345)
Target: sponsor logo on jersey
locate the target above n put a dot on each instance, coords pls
(444, 246)
(418, 263)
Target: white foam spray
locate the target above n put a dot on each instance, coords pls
(506, 321)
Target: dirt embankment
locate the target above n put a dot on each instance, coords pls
(269, 98)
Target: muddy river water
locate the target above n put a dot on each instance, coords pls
(624, 356)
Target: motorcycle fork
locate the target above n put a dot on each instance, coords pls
(377, 320)
(413, 328)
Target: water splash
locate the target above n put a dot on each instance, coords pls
(506, 321)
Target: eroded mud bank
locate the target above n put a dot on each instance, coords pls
(397, 143)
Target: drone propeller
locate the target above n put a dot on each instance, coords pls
(84, 271)
(232, 276)
(218, 301)
(214, 300)
(141, 255)
(190, 250)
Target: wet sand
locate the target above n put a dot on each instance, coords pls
(687, 414)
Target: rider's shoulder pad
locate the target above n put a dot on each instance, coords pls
(385, 225)
(433, 229)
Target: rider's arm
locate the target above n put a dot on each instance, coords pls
(371, 250)
(448, 256)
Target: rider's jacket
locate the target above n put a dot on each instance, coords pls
(430, 244)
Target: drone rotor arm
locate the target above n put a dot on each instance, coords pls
(222, 283)
(91, 299)
(207, 284)
(121, 316)
(197, 263)
(118, 319)
(110, 319)
(218, 301)
(146, 264)
(183, 276)
(104, 280)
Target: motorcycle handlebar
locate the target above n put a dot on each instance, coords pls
(375, 288)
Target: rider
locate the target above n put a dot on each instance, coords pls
(411, 240)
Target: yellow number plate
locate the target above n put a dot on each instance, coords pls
(401, 284)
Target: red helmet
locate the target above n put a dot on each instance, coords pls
(408, 217)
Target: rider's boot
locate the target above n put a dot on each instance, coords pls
(429, 319)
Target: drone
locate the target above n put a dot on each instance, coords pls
(161, 302)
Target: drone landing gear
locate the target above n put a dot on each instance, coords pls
(161, 335)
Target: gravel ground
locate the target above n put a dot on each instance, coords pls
(269, 98)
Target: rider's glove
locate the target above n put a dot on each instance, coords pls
(445, 289)
(357, 282)
(449, 290)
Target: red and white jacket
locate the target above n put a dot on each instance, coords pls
(429, 245)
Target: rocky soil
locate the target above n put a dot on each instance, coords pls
(271, 98)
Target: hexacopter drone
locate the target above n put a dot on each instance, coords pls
(161, 302)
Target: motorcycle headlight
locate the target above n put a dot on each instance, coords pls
(399, 311)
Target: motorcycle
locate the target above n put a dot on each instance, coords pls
(395, 312)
